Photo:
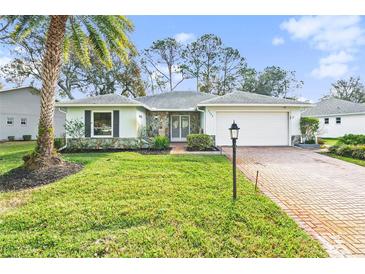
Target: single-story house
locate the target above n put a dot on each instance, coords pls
(114, 120)
(19, 114)
(338, 117)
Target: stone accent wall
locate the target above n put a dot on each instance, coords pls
(158, 122)
(106, 143)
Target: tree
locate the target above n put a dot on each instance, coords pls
(351, 90)
(162, 61)
(272, 81)
(81, 35)
(192, 61)
(309, 127)
(231, 63)
(248, 79)
(211, 49)
(96, 79)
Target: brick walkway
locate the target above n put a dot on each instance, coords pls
(325, 196)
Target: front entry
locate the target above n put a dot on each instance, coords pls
(180, 127)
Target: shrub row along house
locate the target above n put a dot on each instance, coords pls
(19, 114)
(118, 122)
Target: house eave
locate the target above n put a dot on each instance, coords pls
(335, 114)
(98, 105)
(254, 105)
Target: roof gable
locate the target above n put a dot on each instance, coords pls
(176, 100)
(332, 106)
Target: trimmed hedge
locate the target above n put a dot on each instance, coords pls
(199, 142)
(353, 151)
(352, 139)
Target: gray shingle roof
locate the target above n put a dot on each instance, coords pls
(177, 100)
(333, 106)
(107, 99)
(242, 98)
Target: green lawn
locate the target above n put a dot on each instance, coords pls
(330, 141)
(347, 159)
(132, 205)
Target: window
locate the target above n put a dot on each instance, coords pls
(23, 121)
(10, 121)
(326, 120)
(338, 120)
(102, 124)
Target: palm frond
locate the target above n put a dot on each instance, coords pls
(79, 42)
(98, 45)
(66, 49)
(25, 25)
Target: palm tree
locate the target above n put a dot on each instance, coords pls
(80, 35)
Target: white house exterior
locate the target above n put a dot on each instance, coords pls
(338, 117)
(19, 114)
(116, 120)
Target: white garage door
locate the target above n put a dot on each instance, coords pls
(256, 128)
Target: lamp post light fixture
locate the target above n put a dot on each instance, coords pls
(234, 130)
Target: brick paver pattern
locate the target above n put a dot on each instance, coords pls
(325, 196)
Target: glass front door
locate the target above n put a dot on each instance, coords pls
(180, 127)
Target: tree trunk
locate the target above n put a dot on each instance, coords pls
(44, 154)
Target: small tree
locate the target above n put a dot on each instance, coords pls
(309, 127)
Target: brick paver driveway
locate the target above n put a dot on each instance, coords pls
(325, 196)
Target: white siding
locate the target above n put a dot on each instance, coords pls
(128, 118)
(354, 124)
(294, 117)
(24, 103)
(141, 119)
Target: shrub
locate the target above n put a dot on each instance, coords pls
(199, 142)
(309, 127)
(352, 139)
(59, 142)
(11, 138)
(160, 143)
(333, 149)
(27, 137)
(344, 150)
(310, 141)
(358, 152)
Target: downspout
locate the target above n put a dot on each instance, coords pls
(202, 111)
(62, 148)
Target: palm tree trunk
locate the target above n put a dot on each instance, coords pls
(44, 154)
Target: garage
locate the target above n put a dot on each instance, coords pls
(256, 128)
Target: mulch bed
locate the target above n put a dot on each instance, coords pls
(208, 149)
(20, 178)
(141, 151)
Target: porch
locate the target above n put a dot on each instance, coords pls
(175, 125)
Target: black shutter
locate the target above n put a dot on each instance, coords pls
(87, 123)
(116, 123)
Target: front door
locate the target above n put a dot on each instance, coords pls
(180, 127)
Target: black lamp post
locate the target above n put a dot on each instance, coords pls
(234, 130)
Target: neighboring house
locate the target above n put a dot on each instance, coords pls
(19, 114)
(338, 117)
(116, 121)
